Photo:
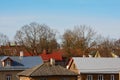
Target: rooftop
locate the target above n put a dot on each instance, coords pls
(47, 69)
(19, 63)
(97, 65)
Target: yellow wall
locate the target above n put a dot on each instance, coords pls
(12, 73)
(73, 67)
(48, 78)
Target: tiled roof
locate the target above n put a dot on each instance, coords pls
(19, 63)
(47, 70)
(54, 55)
(12, 48)
(97, 65)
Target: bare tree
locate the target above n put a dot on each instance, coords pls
(36, 37)
(3, 39)
(106, 46)
(79, 40)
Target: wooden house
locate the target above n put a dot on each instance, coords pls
(47, 71)
(11, 65)
(95, 68)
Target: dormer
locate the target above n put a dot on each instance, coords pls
(6, 61)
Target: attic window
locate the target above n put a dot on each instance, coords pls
(74, 66)
(8, 63)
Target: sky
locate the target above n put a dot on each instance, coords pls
(102, 15)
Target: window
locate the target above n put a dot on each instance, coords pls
(100, 77)
(8, 77)
(74, 66)
(8, 63)
(43, 79)
(64, 78)
(112, 77)
(89, 77)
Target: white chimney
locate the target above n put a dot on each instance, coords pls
(21, 54)
(67, 66)
(90, 56)
(84, 56)
(52, 61)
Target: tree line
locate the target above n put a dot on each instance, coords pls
(81, 40)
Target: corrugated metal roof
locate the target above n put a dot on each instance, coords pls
(19, 63)
(97, 65)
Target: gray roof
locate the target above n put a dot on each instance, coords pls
(21, 63)
(47, 70)
(5, 57)
(97, 65)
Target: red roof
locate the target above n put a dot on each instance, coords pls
(55, 55)
(11, 50)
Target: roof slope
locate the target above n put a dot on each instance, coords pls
(47, 70)
(55, 55)
(97, 65)
(19, 63)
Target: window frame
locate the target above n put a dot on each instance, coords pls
(43, 78)
(112, 77)
(89, 77)
(8, 63)
(100, 77)
(8, 77)
(64, 78)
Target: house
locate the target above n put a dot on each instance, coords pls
(95, 68)
(11, 65)
(47, 71)
(13, 49)
(98, 54)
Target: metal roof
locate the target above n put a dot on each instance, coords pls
(21, 63)
(97, 65)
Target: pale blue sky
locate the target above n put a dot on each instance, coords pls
(102, 15)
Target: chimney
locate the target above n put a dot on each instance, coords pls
(21, 54)
(52, 61)
(84, 56)
(90, 56)
(44, 51)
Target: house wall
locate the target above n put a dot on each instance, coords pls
(24, 78)
(13, 74)
(95, 76)
(73, 67)
(49, 78)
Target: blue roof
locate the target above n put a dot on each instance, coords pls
(5, 57)
(19, 63)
